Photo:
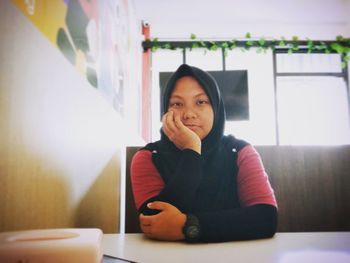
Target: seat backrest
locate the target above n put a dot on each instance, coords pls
(311, 186)
(131, 213)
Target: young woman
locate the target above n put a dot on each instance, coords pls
(196, 184)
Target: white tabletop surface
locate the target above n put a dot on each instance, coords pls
(332, 247)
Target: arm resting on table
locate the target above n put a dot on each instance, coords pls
(253, 222)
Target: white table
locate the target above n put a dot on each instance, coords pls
(320, 247)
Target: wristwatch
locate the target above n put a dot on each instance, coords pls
(191, 229)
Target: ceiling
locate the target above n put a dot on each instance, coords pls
(168, 17)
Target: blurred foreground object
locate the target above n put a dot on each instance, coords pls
(51, 245)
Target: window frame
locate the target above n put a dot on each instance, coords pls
(185, 46)
(343, 74)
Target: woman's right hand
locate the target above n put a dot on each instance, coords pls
(166, 225)
(179, 134)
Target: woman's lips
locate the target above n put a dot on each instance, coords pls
(192, 126)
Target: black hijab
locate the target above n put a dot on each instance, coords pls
(211, 88)
(215, 183)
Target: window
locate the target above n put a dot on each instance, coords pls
(294, 99)
(260, 127)
(312, 100)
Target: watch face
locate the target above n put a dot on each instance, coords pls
(192, 231)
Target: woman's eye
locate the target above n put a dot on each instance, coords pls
(201, 102)
(176, 104)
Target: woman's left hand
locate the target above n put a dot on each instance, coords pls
(167, 225)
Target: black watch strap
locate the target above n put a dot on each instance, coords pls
(191, 229)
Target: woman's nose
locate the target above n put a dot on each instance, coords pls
(189, 113)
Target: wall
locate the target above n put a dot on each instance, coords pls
(60, 140)
(315, 19)
(347, 10)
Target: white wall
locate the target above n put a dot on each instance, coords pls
(60, 140)
(347, 10)
(315, 19)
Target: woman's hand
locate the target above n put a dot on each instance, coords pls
(167, 225)
(179, 134)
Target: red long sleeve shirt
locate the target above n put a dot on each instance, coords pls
(252, 180)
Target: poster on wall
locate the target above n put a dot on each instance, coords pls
(98, 38)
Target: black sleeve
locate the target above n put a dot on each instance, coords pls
(253, 222)
(180, 190)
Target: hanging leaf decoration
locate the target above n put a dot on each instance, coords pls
(340, 45)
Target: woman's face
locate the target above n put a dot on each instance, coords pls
(189, 100)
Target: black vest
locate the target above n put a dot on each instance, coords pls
(218, 186)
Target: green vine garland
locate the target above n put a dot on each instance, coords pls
(340, 45)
